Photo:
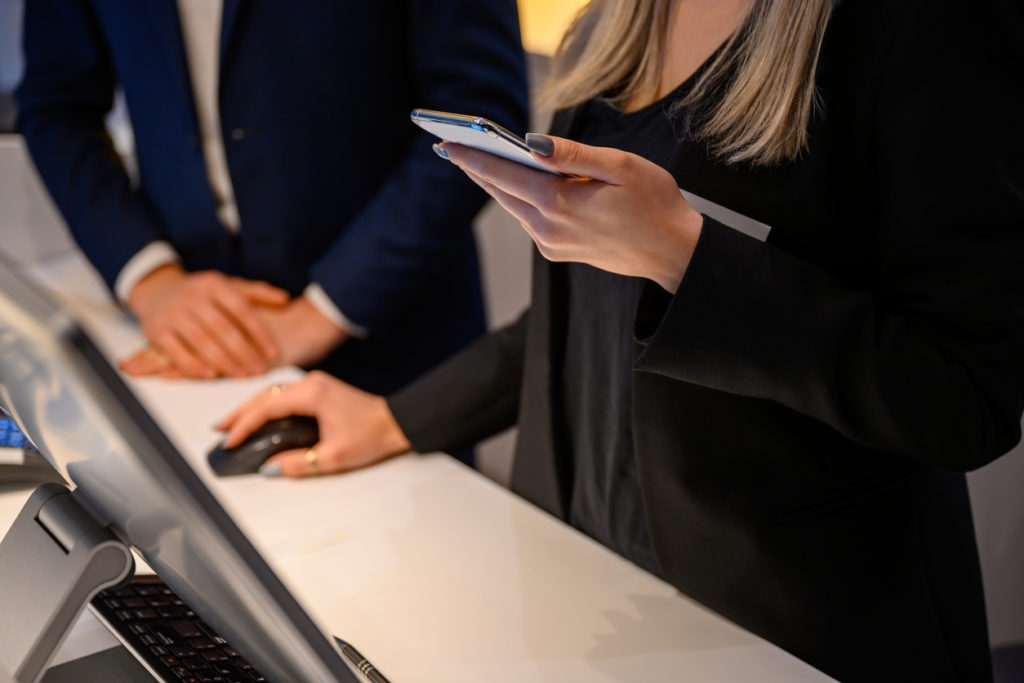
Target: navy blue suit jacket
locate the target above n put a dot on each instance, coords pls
(332, 181)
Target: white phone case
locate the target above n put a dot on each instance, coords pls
(478, 133)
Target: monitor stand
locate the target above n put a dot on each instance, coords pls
(53, 560)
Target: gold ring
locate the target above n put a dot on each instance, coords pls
(276, 389)
(311, 464)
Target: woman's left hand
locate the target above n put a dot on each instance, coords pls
(620, 212)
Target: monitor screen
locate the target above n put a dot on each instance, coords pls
(79, 413)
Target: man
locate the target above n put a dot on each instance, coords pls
(286, 211)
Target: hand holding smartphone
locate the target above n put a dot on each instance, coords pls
(478, 133)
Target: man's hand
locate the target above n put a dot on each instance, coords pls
(302, 333)
(203, 325)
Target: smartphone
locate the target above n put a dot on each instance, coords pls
(478, 133)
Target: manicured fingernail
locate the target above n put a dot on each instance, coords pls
(541, 144)
(271, 469)
(439, 151)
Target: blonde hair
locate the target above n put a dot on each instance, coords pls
(752, 103)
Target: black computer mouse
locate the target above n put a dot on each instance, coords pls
(273, 437)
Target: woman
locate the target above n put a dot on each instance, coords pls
(778, 428)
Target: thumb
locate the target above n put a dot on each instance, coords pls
(575, 159)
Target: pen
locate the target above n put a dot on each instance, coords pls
(361, 663)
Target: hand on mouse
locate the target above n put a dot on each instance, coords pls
(356, 427)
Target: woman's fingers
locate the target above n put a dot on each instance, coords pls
(520, 181)
(326, 457)
(583, 161)
(267, 405)
(523, 211)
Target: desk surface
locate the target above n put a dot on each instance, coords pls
(431, 570)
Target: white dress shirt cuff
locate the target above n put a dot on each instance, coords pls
(321, 302)
(145, 261)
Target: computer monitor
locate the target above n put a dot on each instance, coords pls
(79, 413)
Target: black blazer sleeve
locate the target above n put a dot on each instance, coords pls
(929, 361)
(471, 396)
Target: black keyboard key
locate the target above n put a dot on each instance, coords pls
(147, 589)
(159, 650)
(214, 655)
(169, 613)
(182, 651)
(123, 592)
(201, 643)
(133, 602)
(148, 639)
(144, 613)
(138, 629)
(197, 664)
(186, 629)
(164, 632)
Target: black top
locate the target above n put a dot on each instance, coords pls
(801, 408)
(597, 377)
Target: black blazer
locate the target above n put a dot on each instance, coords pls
(333, 183)
(803, 408)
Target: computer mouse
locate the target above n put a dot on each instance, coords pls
(273, 437)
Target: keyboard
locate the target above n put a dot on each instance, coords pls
(169, 638)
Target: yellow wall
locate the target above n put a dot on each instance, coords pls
(544, 21)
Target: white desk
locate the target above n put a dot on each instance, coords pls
(431, 570)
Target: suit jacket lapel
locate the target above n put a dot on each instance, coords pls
(166, 25)
(227, 28)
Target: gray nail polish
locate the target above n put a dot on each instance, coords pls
(439, 151)
(541, 144)
(271, 469)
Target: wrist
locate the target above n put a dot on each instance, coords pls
(390, 434)
(318, 325)
(687, 230)
(152, 285)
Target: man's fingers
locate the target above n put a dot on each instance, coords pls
(205, 341)
(242, 314)
(148, 361)
(182, 356)
(259, 292)
(243, 352)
